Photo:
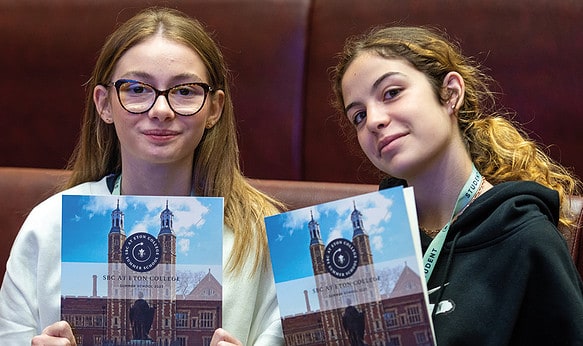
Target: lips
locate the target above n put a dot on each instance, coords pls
(160, 133)
(387, 140)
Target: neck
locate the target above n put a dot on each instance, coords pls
(156, 180)
(436, 193)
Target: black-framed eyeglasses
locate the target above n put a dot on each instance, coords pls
(184, 99)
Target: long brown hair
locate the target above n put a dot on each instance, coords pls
(216, 169)
(499, 148)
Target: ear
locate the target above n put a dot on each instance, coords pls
(216, 110)
(455, 88)
(102, 103)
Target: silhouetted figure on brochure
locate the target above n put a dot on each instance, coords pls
(141, 316)
(353, 323)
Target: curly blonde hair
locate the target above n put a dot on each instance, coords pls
(216, 166)
(499, 148)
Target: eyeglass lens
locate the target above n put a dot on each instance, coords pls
(138, 97)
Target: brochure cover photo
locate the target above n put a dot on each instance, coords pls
(142, 270)
(349, 272)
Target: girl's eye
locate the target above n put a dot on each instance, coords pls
(185, 91)
(134, 88)
(138, 89)
(358, 117)
(391, 93)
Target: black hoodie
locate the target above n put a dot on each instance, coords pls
(505, 273)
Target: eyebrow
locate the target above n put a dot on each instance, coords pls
(382, 78)
(148, 77)
(374, 86)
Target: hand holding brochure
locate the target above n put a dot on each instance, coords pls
(349, 272)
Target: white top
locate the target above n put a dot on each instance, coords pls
(30, 297)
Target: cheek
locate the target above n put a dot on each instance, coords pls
(365, 140)
(125, 122)
(124, 132)
(196, 130)
(196, 124)
(120, 115)
(197, 136)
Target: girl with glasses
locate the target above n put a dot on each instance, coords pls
(159, 121)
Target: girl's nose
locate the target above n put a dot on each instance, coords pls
(377, 118)
(161, 109)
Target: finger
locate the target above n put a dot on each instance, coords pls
(222, 338)
(218, 335)
(46, 340)
(58, 330)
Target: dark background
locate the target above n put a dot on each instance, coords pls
(279, 53)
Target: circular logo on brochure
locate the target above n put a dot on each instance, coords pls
(341, 258)
(141, 252)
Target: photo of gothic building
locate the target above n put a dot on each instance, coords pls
(142, 306)
(357, 313)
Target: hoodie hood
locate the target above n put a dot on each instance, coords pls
(501, 211)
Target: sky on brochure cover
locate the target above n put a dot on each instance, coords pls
(198, 225)
(385, 221)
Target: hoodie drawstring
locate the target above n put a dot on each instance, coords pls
(446, 273)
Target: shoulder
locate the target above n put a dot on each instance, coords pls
(520, 200)
(511, 210)
(525, 189)
(48, 212)
(87, 188)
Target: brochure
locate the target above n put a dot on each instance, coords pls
(349, 272)
(142, 270)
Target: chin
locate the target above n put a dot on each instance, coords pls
(394, 168)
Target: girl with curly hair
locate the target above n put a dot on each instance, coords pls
(489, 200)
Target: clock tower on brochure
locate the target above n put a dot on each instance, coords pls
(156, 286)
(164, 293)
(117, 302)
(368, 301)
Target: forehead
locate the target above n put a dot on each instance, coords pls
(160, 58)
(370, 65)
(365, 71)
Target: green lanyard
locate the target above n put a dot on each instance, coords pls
(466, 195)
(117, 186)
